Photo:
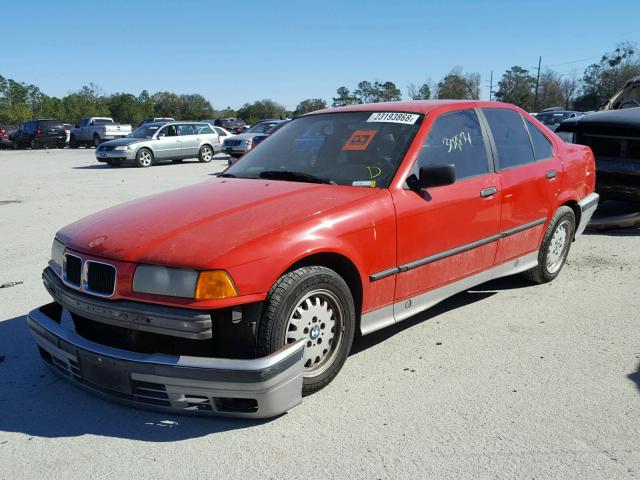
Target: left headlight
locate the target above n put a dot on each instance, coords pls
(178, 282)
(122, 148)
(57, 252)
(248, 142)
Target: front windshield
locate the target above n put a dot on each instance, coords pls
(144, 131)
(362, 149)
(263, 127)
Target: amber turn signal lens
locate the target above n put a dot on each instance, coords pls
(215, 285)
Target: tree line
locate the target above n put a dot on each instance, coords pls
(20, 101)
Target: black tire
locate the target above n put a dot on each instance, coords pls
(543, 273)
(73, 142)
(284, 298)
(14, 145)
(96, 140)
(33, 144)
(206, 153)
(142, 160)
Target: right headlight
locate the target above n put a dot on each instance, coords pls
(57, 252)
(179, 282)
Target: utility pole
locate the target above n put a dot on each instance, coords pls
(535, 99)
(491, 87)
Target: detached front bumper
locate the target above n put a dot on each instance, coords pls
(257, 388)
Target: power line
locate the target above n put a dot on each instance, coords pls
(574, 61)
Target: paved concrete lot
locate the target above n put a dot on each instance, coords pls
(506, 381)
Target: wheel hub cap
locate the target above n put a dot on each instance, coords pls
(318, 319)
(557, 247)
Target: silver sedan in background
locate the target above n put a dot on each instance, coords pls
(160, 141)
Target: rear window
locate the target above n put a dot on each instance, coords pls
(203, 129)
(512, 140)
(49, 124)
(101, 121)
(541, 145)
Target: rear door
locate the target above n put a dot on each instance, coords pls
(530, 181)
(448, 232)
(188, 140)
(53, 129)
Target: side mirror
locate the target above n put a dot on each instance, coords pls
(432, 176)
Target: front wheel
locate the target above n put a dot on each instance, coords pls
(312, 304)
(144, 158)
(555, 246)
(206, 154)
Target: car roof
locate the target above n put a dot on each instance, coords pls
(414, 106)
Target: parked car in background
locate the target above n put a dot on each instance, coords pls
(552, 118)
(67, 130)
(240, 295)
(243, 142)
(157, 142)
(614, 137)
(156, 120)
(627, 97)
(39, 133)
(261, 137)
(95, 130)
(233, 125)
(223, 133)
(5, 141)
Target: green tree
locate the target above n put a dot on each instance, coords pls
(309, 105)
(457, 85)
(194, 107)
(517, 87)
(344, 98)
(602, 80)
(423, 92)
(125, 108)
(258, 110)
(368, 92)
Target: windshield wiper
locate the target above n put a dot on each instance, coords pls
(293, 176)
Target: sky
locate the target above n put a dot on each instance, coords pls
(234, 52)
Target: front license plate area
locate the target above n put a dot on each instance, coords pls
(104, 372)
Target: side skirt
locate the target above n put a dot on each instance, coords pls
(385, 316)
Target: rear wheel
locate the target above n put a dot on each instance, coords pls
(96, 140)
(144, 158)
(314, 305)
(555, 246)
(33, 144)
(73, 143)
(206, 154)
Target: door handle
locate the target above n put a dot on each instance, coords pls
(550, 174)
(487, 192)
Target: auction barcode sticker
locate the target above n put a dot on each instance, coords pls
(394, 117)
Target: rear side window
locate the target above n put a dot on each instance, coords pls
(186, 129)
(456, 138)
(203, 129)
(512, 140)
(220, 132)
(541, 145)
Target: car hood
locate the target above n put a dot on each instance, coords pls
(124, 141)
(609, 122)
(245, 136)
(196, 226)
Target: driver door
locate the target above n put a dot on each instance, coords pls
(448, 232)
(168, 143)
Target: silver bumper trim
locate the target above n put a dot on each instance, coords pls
(255, 388)
(587, 206)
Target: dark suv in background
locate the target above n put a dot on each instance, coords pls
(39, 133)
(233, 125)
